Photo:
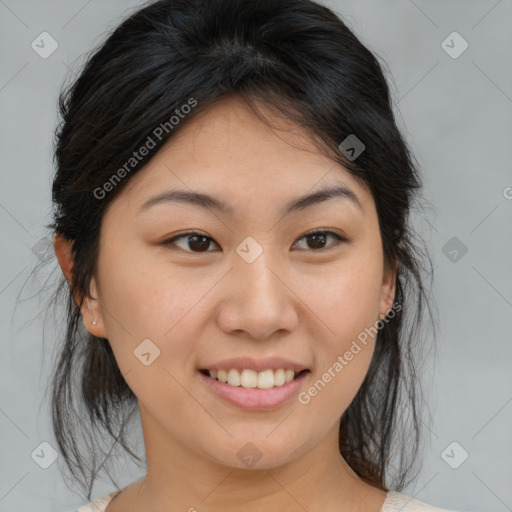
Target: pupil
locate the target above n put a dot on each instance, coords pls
(318, 241)
(322, 239)
(202, 245)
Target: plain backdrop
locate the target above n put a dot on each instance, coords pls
(455, 110)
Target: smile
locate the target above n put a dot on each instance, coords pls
(269, 393)
(248, 378)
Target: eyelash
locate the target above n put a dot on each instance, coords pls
(309, 233)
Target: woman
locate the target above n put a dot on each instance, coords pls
(231, 205)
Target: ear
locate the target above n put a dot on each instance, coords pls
(91, 308)
(388, 288)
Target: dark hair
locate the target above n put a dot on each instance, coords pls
(300, 59)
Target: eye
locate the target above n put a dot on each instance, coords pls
(197, 241)
(319, 238)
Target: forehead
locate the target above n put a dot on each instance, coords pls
(232, 153)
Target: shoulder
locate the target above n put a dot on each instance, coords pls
(397, 501)
(99, 504)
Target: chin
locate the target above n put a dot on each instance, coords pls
(257, 454)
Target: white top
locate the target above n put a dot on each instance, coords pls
(395, 502)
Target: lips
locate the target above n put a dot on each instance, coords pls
(258, 365)
(254, 398)
(254, 384)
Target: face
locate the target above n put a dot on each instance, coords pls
(251, 289)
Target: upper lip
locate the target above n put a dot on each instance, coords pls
(258, 365)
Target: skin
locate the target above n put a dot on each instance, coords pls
(305, 303)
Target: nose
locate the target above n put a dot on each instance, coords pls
(258, 299)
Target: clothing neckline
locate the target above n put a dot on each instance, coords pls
(105, 500)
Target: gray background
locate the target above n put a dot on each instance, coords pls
(456, 114)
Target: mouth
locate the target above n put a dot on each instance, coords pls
(249, 390)
(247, 378)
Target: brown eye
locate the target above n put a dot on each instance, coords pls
(195, 241)
(318, 239)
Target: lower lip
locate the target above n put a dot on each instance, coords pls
(255, 399)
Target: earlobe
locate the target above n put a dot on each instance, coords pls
(92, 313)
(91, 308)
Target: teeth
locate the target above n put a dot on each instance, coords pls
(233, 378)
(266, 379)
(279, 378)
(252, 379)
(248, 378)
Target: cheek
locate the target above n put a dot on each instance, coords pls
(142, 294)
(346, 298)
(140, 303)
(148, 320)
(147, 300)
(345, 350)
(334, 388)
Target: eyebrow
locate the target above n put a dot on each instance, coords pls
(211, 203)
